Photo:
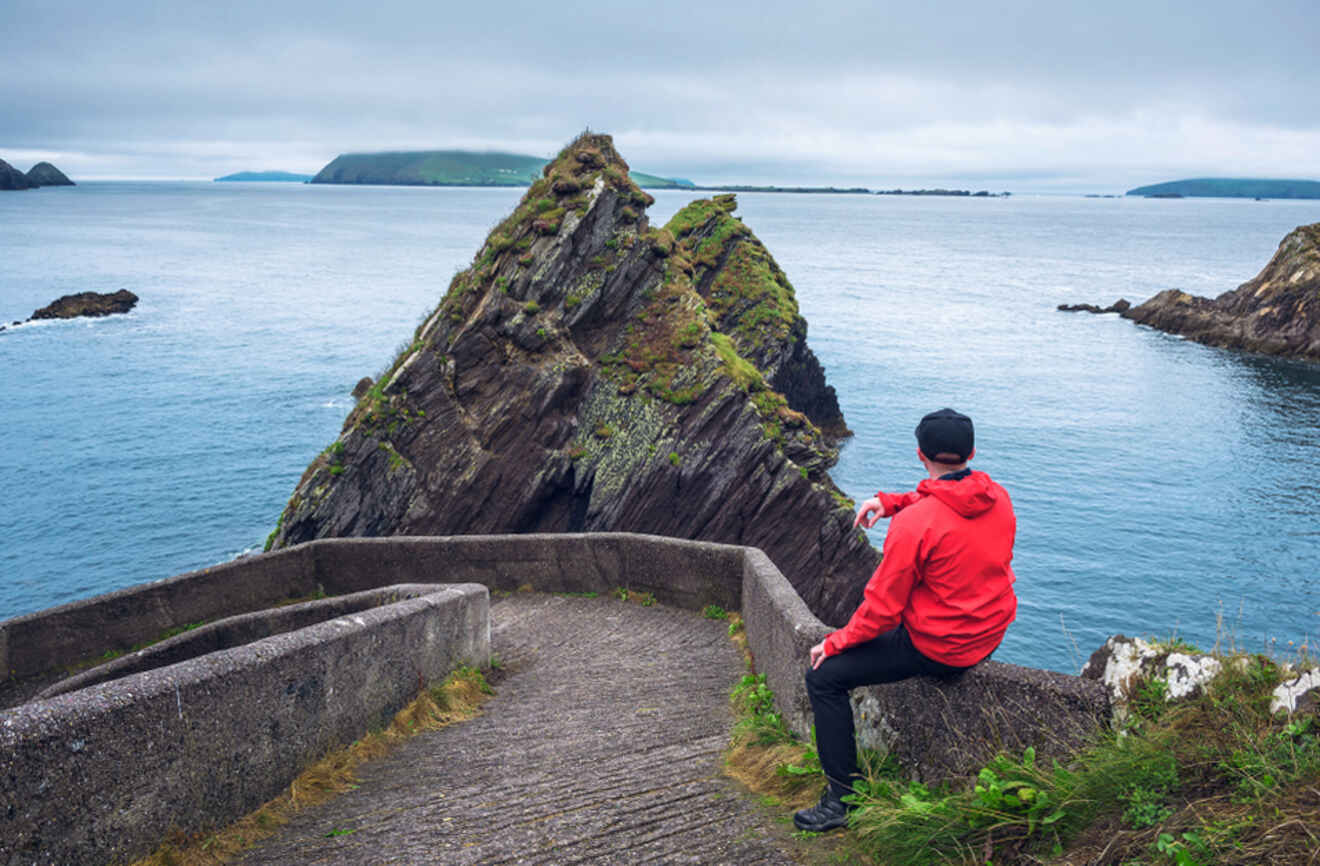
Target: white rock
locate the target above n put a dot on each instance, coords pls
(1289, 693)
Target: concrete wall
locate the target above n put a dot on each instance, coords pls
(219, 734)
(103, 774)
(37, 648)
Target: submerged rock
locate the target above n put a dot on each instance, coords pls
(1277, 313)
(88, 304)
(1119, 306)
(45, 174)
(591, 373)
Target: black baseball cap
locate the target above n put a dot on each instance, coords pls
(945, 436)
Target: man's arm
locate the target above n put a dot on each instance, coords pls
(884, 505)
(885, 596)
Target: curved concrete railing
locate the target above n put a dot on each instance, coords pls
(213, 736)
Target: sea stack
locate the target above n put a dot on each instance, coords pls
(1277, 313)
(12, 178)
(591, 373)
(45, 174)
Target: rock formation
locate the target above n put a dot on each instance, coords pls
(591, 373)
(1277, 313)
(45, 174)
(88, 304)
(12, 178)
(1119, 306)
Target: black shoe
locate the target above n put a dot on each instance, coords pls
(829, 813)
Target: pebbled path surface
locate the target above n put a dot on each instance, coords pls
(602, 744)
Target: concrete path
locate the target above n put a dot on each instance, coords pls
(602, 744)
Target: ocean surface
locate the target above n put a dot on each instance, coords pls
(1162, 488)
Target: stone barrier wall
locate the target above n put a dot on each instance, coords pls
(220, 733)
(104, 774)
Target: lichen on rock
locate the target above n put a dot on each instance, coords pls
(588, 372)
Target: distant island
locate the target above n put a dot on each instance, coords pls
(272, 176)
(985, 193)
(742, 187)
(454, 168)
(1230, 187)
(41, 174)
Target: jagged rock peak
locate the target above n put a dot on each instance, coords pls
(1276, 313)
(589, 373)
(45, 174)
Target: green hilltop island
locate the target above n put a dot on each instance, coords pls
(454, 168)
(1230, 187)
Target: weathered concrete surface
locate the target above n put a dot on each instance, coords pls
(35, 649)
(603, 744)
(941, 729)
(235, 631)
(102, 774)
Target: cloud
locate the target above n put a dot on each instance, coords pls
(772, 91)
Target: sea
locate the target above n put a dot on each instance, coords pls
(1163, 489)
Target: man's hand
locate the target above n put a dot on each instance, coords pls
(817, 655)
(870, 513)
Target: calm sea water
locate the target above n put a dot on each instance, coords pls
(1162, 487)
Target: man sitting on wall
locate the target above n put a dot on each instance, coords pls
(939, 602)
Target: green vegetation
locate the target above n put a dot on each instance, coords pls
(714, 611)
(645, 599)
(1211, 779)
(764, 754)
(1231, 187)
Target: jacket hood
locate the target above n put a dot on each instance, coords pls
(971, 496)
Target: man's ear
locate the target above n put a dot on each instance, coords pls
(973, 454)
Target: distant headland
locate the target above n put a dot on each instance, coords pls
(269, 176)
(453, 168)
(41, 174)
(1230, 187)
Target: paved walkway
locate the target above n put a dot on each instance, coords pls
(602, 744)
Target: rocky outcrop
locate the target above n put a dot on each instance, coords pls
(12, 178)
(1277, 313)
(1122, 305)
(591, 373)
(45, 174)
(88, 304)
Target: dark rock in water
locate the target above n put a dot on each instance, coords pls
(1277, 313)
(591, 373)
(45, 174)
(1119, 306)
(88, 304)
(362, 387)
(12, 178)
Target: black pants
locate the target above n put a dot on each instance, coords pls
(886, 659)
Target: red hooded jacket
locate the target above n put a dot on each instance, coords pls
(945, 572)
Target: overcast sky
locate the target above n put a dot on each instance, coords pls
(1024, 96)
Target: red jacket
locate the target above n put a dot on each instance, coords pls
(945, 572)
